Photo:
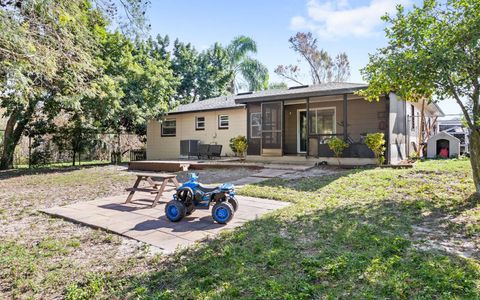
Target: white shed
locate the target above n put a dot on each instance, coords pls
(443, 140)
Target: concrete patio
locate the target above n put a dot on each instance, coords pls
(139, 221)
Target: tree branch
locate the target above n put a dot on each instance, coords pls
(460, 103)
(290, 78)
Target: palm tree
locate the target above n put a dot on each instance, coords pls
(244, 67)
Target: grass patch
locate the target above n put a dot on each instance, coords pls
(346, 236)
(349, 236)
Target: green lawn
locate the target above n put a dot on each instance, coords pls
(352, 235)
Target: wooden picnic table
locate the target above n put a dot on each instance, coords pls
(157, 184)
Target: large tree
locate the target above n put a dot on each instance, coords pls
(323, 68)
(202, 75)
(433, 51)
(47, 52)
(244, 67)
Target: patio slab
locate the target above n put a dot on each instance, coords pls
(139, 221)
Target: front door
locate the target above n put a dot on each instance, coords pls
(302, 132)
(272, 128)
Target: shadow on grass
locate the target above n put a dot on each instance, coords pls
(12, 173)
(344, 252)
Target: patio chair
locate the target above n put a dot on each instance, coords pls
(214, 151)
(203, 151)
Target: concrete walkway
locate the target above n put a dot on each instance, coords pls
(265, 174)
(139, 221)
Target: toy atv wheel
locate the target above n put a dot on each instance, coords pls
(175, 210)
(234, 203)
(222, 212)
(190, 209)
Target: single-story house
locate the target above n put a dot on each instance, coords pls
(292, 124)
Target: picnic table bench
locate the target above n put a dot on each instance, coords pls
(157, 184)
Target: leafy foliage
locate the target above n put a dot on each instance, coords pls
(242, 66)
(376, 142)
(337, 145)
(47, 60)
(433, 51)
(239, 145)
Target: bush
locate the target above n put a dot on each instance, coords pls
(337, 146)
(40, 158)
(376, 142)
(239, 145)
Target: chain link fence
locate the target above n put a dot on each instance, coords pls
(88, 148)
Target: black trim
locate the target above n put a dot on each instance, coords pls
(307, 109)
(283, 128)
(387, 130)
(345, 117)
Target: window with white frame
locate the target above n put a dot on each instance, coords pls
(169, 127)
(223, 122)
(199, 123)
(256, 125)
(322, 121)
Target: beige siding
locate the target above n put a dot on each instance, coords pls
(159, 147)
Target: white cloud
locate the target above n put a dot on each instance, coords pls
(339, 19)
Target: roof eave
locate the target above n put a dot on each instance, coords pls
(300, 95)
(202, 110)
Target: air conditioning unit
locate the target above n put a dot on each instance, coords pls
(189, 148)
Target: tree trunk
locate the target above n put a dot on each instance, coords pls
(8, 144)
(11, 138)
(74, 155)
(475, 158)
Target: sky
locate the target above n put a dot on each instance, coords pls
(351, 26)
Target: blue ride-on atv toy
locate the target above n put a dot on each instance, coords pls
(193, 195)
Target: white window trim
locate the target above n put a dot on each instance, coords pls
(163, 126)
(220, 122)
(251, 125)
(196, 123)
(308, 133)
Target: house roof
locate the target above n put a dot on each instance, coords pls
(324, 89)
(234, 101)
(221, 102)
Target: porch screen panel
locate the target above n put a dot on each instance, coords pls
(272, 125)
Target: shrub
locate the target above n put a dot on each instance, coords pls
(376, 142)
(337, 145)
(239, 145)
(40, 158)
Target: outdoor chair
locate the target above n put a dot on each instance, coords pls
(203, 151)
(214, 151)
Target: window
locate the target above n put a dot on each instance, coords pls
(169, 127)
(200, 123)
(412, 112)
(322, 121)
(256, 125)
(223, 122)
